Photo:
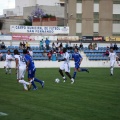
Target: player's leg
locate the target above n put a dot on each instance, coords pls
(112, 67)
(9, 66)
(6, 68)
(62, 67)
(75, 72)
(84, 70)
(67, 72)
(30, 78)
(38, 80)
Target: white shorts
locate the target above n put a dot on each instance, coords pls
(7, 64)
(112, 63)
(21, 72)
(66, 67)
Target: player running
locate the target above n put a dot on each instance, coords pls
(65, 66)
(113, 57)
(7, 65)
(78, 59)
(31, 70)
(21, 69)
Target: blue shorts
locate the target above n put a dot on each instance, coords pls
(31, 73)
(77, 65)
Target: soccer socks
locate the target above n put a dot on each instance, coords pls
(40, 81)
(6, 70)
(9, 70)
(74, 75)
(33, 84)
(111, 70)
(25, 87)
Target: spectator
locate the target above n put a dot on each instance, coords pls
(94, 47)
(47, 42)
(66, 45)
(41, 45)
(1, 56)
(23, 45)
(57, 46)
(61, 46)
(20, 45)
(53, 46)
(111, 45)
(45, 53)
(76, 46)
(115, 47)
(106, 53)
(49, 55)
(90, 46)
(2, 45)
(27, 46)
(70, 46)
(81, 46)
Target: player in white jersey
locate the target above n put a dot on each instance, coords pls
(21, 69)
(7, 65)
(65, 66)
(113, 57)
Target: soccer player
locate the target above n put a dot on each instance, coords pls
(7, 65)
(21, 69)
(78, 59)
(113, 57)
(31, 70)
(65, 66)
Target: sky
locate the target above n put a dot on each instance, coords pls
(6, 4)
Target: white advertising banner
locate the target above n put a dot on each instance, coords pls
(5, 37)
(39, 29)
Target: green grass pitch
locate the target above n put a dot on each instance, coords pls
(94, 96)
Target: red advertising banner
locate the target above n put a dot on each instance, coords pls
(99, 38)
(24, 37)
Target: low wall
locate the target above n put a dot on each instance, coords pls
(56, 64)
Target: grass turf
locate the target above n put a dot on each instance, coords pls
(94, 96)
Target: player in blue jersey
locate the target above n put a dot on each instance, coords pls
(77, 59)
(31, 70)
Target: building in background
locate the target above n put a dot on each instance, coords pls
(94, 17)
(20, 4)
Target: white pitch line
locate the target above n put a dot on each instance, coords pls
(3, 114)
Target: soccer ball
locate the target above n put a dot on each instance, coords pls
(57, 80)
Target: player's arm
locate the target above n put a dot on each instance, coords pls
(117, 59)
(81, 59)
(62, 60)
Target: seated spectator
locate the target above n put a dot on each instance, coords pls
(27, 46)
(76, 46)
(66, 45)
(115, 47)
(90, 46)
(1, 56)
(23, 45)
(81, 46)
(94, 47)
(49, 55)
(3, 45)
(20, 45)
(57, 46)
(53, 46)
(106, 53)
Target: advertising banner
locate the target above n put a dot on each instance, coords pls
(87, 38)
(5, 37)
(22, 37)
(112, 38)
(98, 38)
(68, 38)
(39, 29)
